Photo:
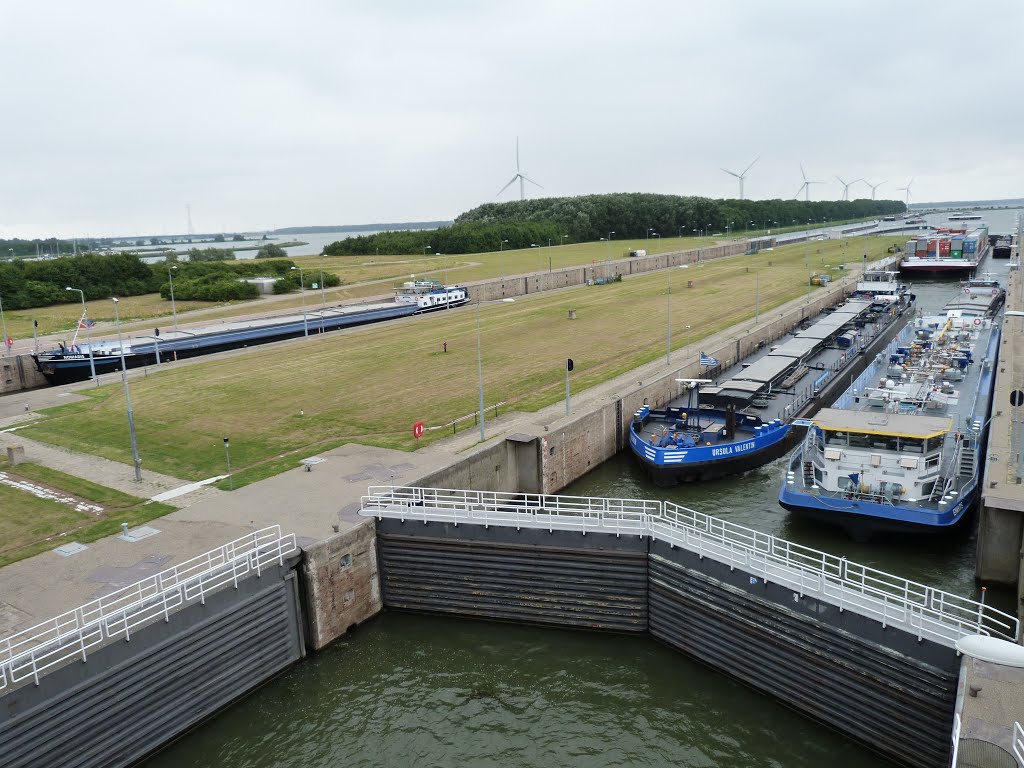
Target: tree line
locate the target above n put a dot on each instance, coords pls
(25, 284)
(522, 223)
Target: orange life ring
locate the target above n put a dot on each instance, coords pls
(977, 321)
(995, 291)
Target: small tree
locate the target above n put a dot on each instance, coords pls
(271, 251)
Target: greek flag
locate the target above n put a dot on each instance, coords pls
(708, 361)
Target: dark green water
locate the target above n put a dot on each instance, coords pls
(417, 691)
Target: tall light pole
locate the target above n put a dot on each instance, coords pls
(610, 245)
(426, 248)
(668, 321)
(92, 363)
(647, 238)
(501, 250)
(323, 294)
(302, 295)
(480, 368)
(7, 347)
(128, 397)
(174, 309)
(534, 245)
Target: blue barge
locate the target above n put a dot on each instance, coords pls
(752, 415)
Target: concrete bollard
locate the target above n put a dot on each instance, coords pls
(15, 455)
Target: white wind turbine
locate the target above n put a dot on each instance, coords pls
(846, 186)
(806, 186)
(873, 186)
(742, 176)
(907, 190)
(520, 176)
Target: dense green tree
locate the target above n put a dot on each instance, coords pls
(271, 251)
(520, 223)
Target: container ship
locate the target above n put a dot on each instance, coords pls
(948, 250)
(747, 418)
(902, 449)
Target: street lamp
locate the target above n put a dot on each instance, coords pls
(92, 363)
(323, 294)
(302, 295)
(647, 237)
(128, 397)
(501, 250)
(534, 245)
(610, 244)
(7, 347)
(425, 248)
(174, 309)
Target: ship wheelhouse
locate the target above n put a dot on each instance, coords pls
(884, 456)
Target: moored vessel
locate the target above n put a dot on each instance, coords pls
(747, 418)
(902, 448)
(948, 250)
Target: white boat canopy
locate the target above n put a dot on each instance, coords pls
(871, 423)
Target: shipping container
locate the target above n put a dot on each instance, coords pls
(957, 254)
(944, 247)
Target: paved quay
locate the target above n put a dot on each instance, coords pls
(306, 503)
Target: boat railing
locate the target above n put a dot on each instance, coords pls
(29, 653)
(930, 613)
(1018, 742)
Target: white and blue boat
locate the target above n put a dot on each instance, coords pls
(902, 449)
(747, 418)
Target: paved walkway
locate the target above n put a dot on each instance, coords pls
(308, 503)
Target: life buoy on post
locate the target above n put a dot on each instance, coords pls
(995, 291)
(977, 321)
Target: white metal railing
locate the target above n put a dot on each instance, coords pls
(927, 611)
(956, 739)
(32, 651)
(1018, 742)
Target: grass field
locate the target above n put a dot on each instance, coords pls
(358, 272)
(369, 384)
(29, 525)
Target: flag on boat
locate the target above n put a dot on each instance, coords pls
(708, 361)
(86, 323)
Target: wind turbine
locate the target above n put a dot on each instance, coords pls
(873, 186)
(742, 176)
(806, 186)
(520, 176)
(846, 187)
(907, 190)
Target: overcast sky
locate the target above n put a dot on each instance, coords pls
(271, 114)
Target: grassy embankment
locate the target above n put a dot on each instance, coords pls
(29, 524)
(369, 384)
(357, 274)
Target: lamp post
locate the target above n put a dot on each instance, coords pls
(92, 362)
(708, 231)
(647, 238)
(323, 293)
(610, 245)
(302, 295)
(227, 458)
(7, 347)
(128, 397)
(668, 322)
(426, 248)
(686, 338)
(174, 308)
(501, 250)
(480, 369)
(534, 245)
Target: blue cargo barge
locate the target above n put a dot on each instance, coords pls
(749, 416)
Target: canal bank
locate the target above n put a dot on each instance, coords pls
(341, 566)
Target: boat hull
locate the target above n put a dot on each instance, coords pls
(69, 368)
(668, 467)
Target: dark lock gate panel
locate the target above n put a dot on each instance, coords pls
(597, 581)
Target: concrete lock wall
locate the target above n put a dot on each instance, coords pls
(509, 465)
(342, 586)
(880, 686)
(129, 698)
(18, 372)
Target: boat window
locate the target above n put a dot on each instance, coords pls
(844, 483)
(818, 474)
(934, 443)
(911, 445)
(860, 441)
(927, 488)
(931, 462)
(835, 438)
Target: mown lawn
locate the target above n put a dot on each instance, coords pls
(370, 384)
